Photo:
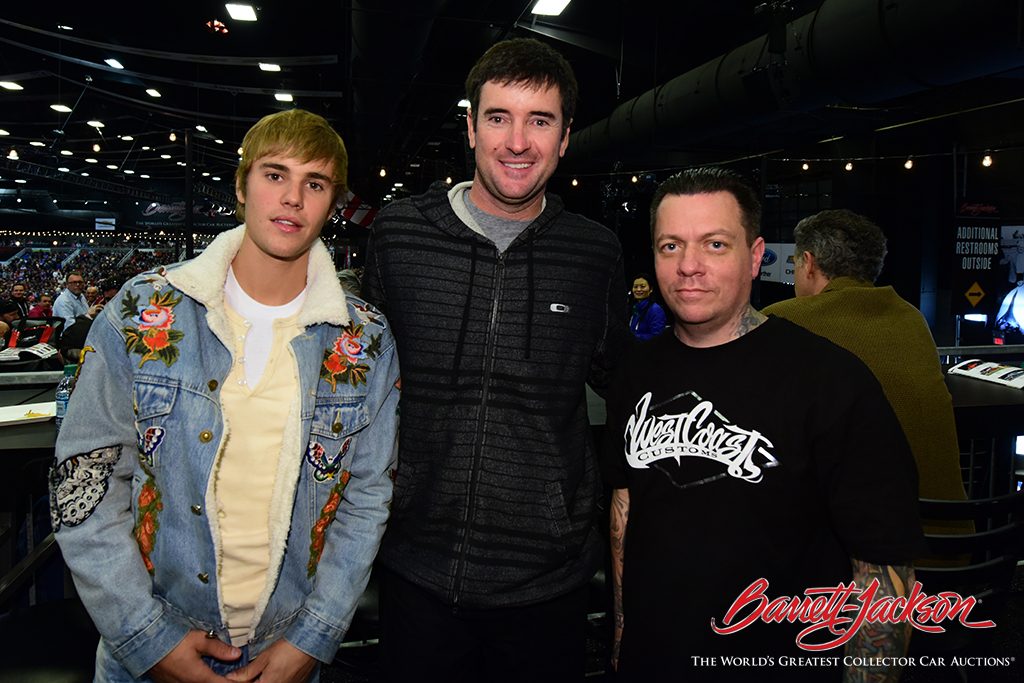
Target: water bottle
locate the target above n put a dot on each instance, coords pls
(67, 383)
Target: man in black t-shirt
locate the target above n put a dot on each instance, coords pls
(753, 461)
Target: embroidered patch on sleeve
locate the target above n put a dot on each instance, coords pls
(342, 362)
(319, 530)
(150, 504)
(78, 485)
(153, 338)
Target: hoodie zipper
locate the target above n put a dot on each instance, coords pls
(478, 446)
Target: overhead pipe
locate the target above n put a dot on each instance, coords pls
(860, 52)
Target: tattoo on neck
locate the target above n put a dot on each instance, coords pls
(751, 318)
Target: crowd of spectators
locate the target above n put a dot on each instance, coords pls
(42, 270)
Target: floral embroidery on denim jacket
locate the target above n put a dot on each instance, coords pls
(342, 361)
(316, 535)
(152, 337)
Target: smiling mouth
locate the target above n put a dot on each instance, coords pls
(518, 166)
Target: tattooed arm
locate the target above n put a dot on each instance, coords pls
(619, 516)
(875, 641)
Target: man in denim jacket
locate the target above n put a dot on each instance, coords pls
(201, 497)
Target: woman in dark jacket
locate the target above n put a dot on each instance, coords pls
(648, 317)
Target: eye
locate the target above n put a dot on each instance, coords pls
(273, 175)
(716, 245)
(316, 185)
(496, 119)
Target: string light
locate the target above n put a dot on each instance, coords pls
(806, 166)
(908, 164)
(987, 161)
(575, 182)
(383, 172)
(849, 165)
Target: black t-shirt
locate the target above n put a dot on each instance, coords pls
(775, 456)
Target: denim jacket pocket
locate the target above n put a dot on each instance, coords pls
(153, 401)
(331, 436)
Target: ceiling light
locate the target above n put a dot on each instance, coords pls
(172, 137)
(3, 132)
(397, 185)
(806, 166)
(126, 137)
(165, 156)
(635, 179)
(96, 124)
(219, 141)
(112, 167)
(114, 63)
(66, 152)
(96, 147)
(448, 180)
(62, 108)
(282, 97)
(550, 8)
(84, 173)
(129, 171)
(20, 181)
(575, 182)
(90, 160)
(383, 172)
(987, 161)
(908, 164)
(241, 12)
(153, 92)
(264, 66)
(464, 104)
(64, 27)
(849, 165)
(144, 175)
(36, 143)
(7, 85)
(201, 129)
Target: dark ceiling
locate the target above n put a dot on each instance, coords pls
(903, 75)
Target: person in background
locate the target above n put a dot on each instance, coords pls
(44, 309)
(92, 293)
(349, 280)
(743, 448)
(839, 255)
(648, 318)
(224, 469)
(71, 302)
(19, 297)
(9, 312)
(504, 306)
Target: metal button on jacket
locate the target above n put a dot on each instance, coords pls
(205, 578)
(205, 436)
(212, 384)
(336, 427)
(196, 510)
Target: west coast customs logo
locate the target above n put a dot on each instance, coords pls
(658, 432)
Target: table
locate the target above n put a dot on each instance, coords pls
(989, 417)
(25, 450)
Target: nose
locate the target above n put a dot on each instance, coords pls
(517, 140)
(690, 262)
(291, 194)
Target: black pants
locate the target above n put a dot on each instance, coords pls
(423, 639)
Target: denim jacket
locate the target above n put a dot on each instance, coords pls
(132, 489)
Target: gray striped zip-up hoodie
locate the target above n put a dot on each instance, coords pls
(497, 488)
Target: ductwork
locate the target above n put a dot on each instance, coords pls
(387, 46)
(854, 51)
